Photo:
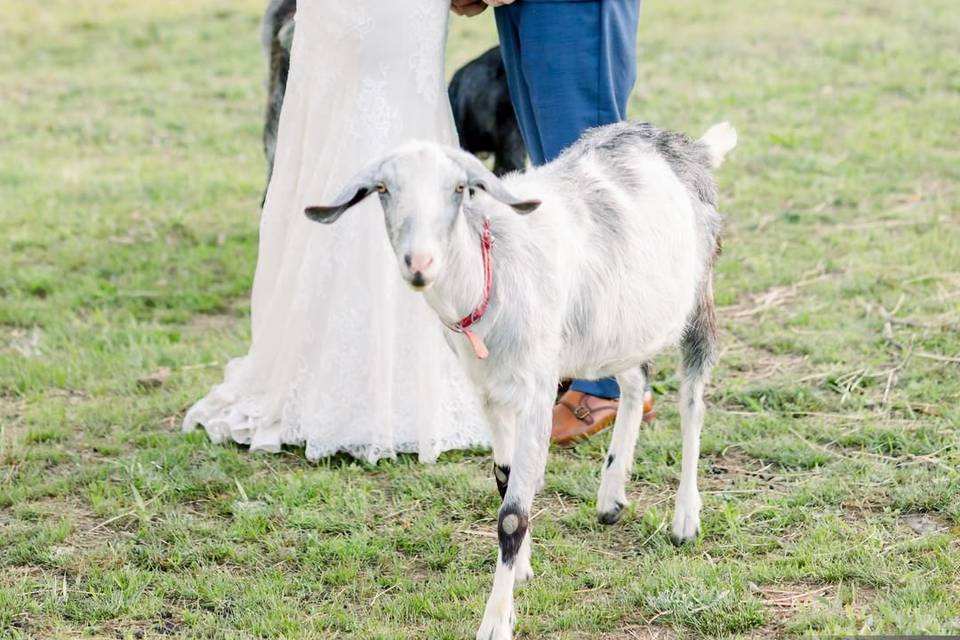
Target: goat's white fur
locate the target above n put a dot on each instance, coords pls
(614, 267)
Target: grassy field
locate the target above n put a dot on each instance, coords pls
(130, 173)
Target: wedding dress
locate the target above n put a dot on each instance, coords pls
(344, 357)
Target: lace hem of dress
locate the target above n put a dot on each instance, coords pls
(227, 418)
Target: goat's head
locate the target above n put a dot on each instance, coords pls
(422, 189)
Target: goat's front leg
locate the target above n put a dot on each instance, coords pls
(503, 431)
(503, 427)
(612, 497)
(526, 475)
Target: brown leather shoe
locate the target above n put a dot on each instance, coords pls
(649, 415)
(577, 416)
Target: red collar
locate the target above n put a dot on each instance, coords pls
(463, 326)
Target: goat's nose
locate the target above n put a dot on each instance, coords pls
(418, 262)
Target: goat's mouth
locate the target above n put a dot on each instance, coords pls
(418, 282)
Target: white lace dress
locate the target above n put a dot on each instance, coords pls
(344, 357)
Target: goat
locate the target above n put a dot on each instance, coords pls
(484, 114)
(615, 267)
(276, 38)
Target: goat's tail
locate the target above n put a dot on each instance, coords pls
(719, 140)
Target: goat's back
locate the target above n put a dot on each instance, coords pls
(630, 213)
(691, 161)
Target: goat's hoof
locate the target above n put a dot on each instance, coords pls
(679, 541)
(685, 529)
(613, 516)
(496, 629)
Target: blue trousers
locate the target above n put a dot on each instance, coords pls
(571, 65)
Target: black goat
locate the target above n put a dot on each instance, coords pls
(484, 114)
(276, 36)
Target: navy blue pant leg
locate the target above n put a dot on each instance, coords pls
(508, 28)
(570, 66)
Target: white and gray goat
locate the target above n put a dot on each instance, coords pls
(615, 266)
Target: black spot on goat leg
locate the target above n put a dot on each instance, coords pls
(511, 530)
(502, 474)
(610, 459)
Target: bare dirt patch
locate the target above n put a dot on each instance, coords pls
(205, 323)
(925, 524)
(758, 304)
(11, 423)
(790, 597)
(723, 474)
(17, 574)
(753, 364)
(784, 601)
(632, 632)
(26, 342)
(85, 531)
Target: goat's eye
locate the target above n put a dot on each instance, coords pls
(460, 188)
(381, 188)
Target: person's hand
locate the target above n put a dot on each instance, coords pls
(498, 3)
(468, 8)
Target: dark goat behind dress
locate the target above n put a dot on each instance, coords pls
(485, 118)
(478, 93)
(276, 36)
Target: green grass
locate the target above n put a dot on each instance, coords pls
(129, 177)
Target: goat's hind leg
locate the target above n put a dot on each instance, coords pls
(612, 497)
(699, 352)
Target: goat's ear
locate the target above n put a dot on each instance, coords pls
(328, 214)
(359, 187)
(479, 177)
